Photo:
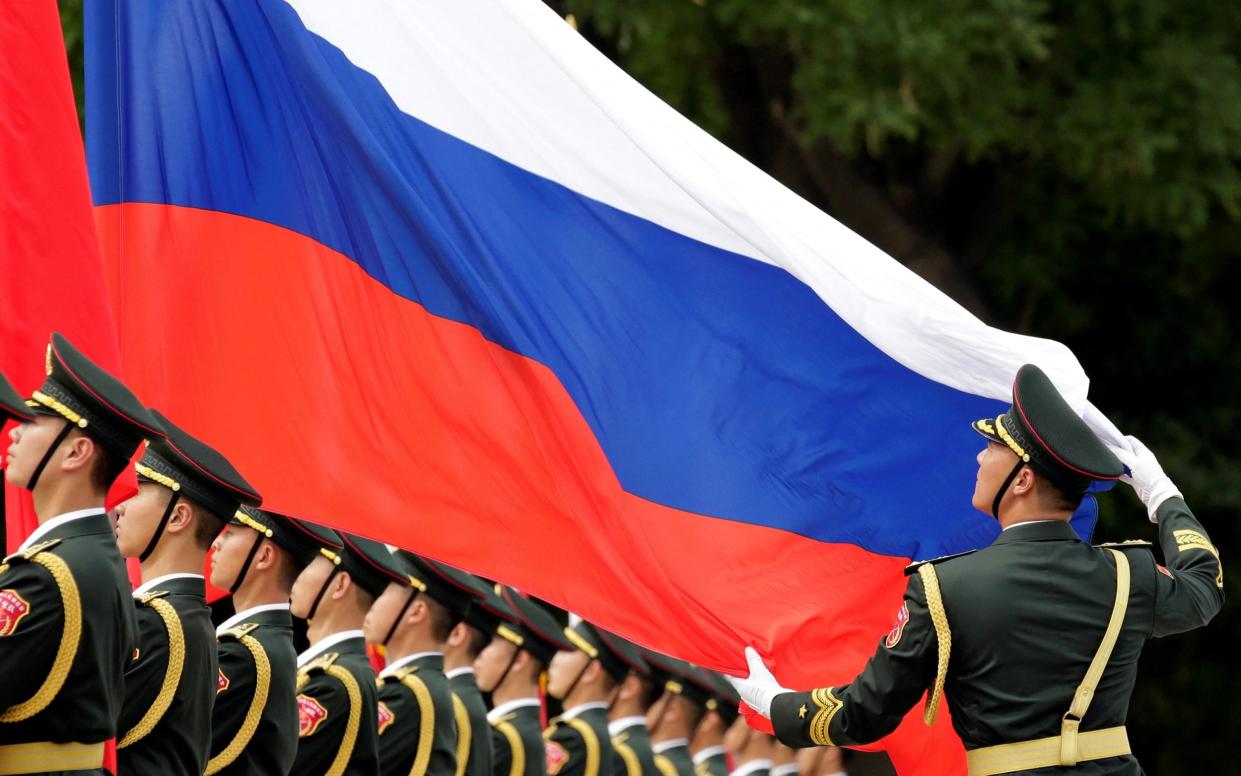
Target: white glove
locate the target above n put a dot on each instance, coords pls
(760, 687)
(1146, 476)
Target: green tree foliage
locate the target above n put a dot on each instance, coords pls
(1067, 170)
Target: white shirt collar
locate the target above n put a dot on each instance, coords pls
(671, 743)
(1026, 522)
(510, 706)
(785, 770)
(245, 614)
(458, 671)
(150, 585)
(325, 644)
(616, 726)
(708, 753)
(751, 767)
(582, 708)
(404, 661)
(56, 522)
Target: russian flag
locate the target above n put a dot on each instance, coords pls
(439, 273)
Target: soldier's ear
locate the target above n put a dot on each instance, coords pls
(79, 452)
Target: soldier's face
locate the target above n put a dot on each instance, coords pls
(28, 443)
(490, 664)
(308, 584)
(564, 670)
(137, 518)
(228, 552)
(995, 461)
(390, 605)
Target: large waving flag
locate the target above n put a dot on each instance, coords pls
(439, 273)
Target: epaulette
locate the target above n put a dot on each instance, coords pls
(239, 631)
(147, 598)
(33, 550)
(402, 672)
(322, 662)
(912, 568)
(1128, 544)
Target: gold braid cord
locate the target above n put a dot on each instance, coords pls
(592, 745)
(262, 683)
(354, 721)
(621, 747)
(426, 722)
(665, 766)
(71, 602)
(465, 733)
(943, 634)
(172, 673)
(517, 750)
(821, 722)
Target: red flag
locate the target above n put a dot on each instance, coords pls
(51, 277)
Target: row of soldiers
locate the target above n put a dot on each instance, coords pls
(89, 666)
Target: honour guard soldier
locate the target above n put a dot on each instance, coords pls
(511, 668)
(67, 625)
(465, 643)
(254, 722)
(585, 679)
(707, 743)
(976, 628)
(676, 714)
(186, 493)
(336, 702)
(751, 750)
(412, 619)
(632, 699)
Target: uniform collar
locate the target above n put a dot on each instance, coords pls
(751, 767)
(246, 614)
(788, 769)
(1037, 531)
(458, 672)
(325, 644)
(509, 707)
(706, 754)
(161, 582)
(52, 524)
(434, 660)
(618, 726)
(671, 743)
(582, 708)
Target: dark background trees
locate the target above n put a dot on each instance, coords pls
(1067, 170)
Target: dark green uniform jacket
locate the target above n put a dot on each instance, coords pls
(165, 723)
(674, 760)
(578, 743)
(631, 743)
(417, 724)
(473, 732)
(711, 762)
(1027, 615)
(257, 660)
(76, 699)
(517, 747)
(336, 707)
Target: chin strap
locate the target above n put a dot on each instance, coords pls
(245, 567)
(159, 529)
(413, 593)
(47, 457)
(999, 495)
(322, 591)
(573, 686)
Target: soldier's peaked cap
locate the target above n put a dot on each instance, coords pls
(452, 587)
(196, 471)
(1043, 430)
(537, 631)
(489, 612)
(617, 656)
(724, 700)
(79, 391)
(681, 678)
(286, 532)
(373, 566)
(11, 403)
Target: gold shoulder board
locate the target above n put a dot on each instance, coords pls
(912, 568)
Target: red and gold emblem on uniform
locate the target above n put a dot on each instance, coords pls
(310, 713)
(221, 682)
(386, 717)
(1164, 570)
(894, 635)
(12, 609)
(556, 758)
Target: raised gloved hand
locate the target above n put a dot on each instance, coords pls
(1146, 476)
(760, 687)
